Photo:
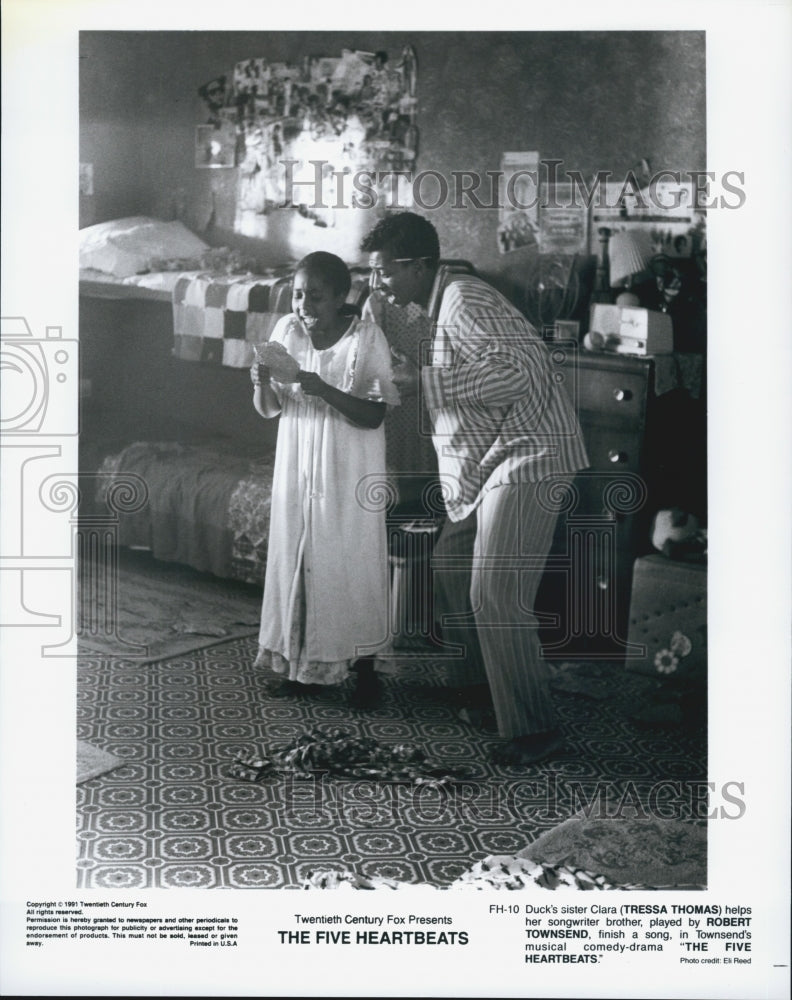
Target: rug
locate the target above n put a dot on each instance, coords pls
(498, 871)
(174, 815)
(588, 680)
(661, 852)
(159, 610)
(91, 761)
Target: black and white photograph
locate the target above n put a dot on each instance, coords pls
(395, 516)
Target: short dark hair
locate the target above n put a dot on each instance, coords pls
(403, 234)
(331, 269)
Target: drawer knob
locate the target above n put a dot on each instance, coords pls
(616, 457)
(622, 395)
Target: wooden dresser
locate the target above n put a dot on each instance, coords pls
(646, 449)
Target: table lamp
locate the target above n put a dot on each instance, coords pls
(629, 255)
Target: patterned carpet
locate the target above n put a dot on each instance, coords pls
(151, 610)
(171, 816)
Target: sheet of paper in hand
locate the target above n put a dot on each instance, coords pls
(281, 364)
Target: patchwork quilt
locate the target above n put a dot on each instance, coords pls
(217, 318)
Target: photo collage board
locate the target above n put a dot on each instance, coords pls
(297, 129)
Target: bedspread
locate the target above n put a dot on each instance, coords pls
(206, 509)
(218, 318)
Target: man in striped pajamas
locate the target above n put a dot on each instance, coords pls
(507, 439)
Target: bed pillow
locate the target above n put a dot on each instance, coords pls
(123, 247)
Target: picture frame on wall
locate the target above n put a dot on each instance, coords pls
(518, 225)
(215, 145)
(563, 221)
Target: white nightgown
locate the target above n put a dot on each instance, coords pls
(326, 590)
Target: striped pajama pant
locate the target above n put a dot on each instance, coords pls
(486, 572)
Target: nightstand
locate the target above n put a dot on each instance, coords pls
(632, 415)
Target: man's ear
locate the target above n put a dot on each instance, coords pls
(422, 269)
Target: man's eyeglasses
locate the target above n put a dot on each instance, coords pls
(396, 260)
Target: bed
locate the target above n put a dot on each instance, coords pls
(167, 328)
(200, 506)
(203, 475)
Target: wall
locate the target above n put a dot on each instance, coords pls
(595, 100)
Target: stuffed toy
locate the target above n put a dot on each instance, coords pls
(678, 534)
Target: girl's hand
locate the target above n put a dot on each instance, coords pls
(311, 383)
(259, 374)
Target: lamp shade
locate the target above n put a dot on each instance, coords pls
(629, 255)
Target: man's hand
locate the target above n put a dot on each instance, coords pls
(404, 374)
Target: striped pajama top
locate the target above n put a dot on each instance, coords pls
(497, 414)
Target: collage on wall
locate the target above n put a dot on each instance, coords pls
(326, 117)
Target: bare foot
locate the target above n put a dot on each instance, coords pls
(528, 749)
(479, 718)
(281, 687)
(367, 692)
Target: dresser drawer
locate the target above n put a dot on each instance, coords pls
(612, 448)
(611, 397)
(585, 592)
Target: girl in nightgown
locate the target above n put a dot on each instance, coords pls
(325, 609)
